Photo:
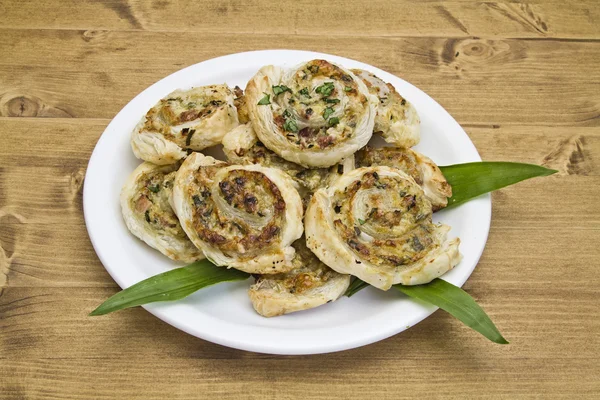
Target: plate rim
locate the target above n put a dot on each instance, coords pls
(162, 312)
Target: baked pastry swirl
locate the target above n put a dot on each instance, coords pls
(420, 167)
(314, 115)
(241, 146)
(184, 120)
(375, 223)
(310, 284)
(148, 214)
(397, 120)
(243, 217)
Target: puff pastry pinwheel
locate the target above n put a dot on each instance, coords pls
(310, 284)
(314, 115)
(241, 146)
(148, 215)
(184, 120)
(243, 217)
(397, 120)
(375, 223)
(421, 168)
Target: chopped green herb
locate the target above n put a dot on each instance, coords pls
(188, 139)
(277, 90)
(325, 89)
(265, 100)
(290, 126)
(154, 189)
(361, 221)
(334, 101)
(334, 121)
(347, 89)
(328, 111)
(304, 92)
(286, 114)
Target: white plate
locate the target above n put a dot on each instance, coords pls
(223, 314)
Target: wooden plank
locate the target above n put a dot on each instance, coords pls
(478, 81)
(34, 226)
(47, 338)
(505, 18)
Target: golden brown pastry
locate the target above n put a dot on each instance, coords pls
(241, 146)
(148, 215)
(243, 217)
(421, 168)
(184, 120)
(314, 115)
(397, 120)
(310, 284)
(375, 223)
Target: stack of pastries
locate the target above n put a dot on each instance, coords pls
(302, 202)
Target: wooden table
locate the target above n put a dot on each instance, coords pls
(523, 79)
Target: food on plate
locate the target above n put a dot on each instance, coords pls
(240, 104)
(241, 146)
(314, 115)
(148, 215)
(397, 120)
(421, 168)
(310, 284)
(376, 223)
(295, 140)
(182, 121)
(244, 217)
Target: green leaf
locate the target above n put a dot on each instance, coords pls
(458, 303)
(474, 179)
(325, 89)
(334, 121)
(280, 89)
(332, 101)
(168, 286)
(290, 125)
(304, 92)
(449, 298)
(355, 286)
(327, 112)
(347, 89)
(265, 100)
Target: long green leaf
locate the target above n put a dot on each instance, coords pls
(355, 286)
(458, 303)
(172, 285)
(474, 179)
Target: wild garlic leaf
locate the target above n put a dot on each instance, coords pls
(171, 285)
(474, 179)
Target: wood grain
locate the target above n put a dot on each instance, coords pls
(552, 18)
(522, 79)
(479, 81)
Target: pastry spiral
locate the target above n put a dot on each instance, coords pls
(313, 115)
(310, 284)
(243, 217)
(375, 223)
(421, 168)
(148, 215)
(241, 146)
(397, 120)
(184, 120)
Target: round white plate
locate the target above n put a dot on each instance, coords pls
(223, 314)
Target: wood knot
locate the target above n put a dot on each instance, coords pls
(16, 104)
(22, 106)
(570, 157)
(465, 55)
(92, 34)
